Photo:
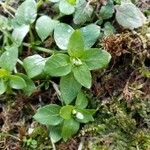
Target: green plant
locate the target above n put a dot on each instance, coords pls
(66, 7)
(75, 67)
(26, 61)
(8, 80)
(30, 143)
(64, 121)
(81, 9)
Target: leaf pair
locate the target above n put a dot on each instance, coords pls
(63, 32)
(12, 81)
(8, 62)
(24, 16)
(81, 9)
(17, 81)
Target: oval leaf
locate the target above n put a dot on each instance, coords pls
(9, 58)
(45, 26)
(69, 92)
(83, 12)
(26, 12)
(19, 33)
(66, 8)
(107, 10)
(81, 101)
(129, 16)
(49, 115)
(83, 75)
(17, 82)
(90, 33)
(55, 133)
(96, 58)
(70, 127)
(62, 34)
(30, 86)
(34, 65)
(58, 65)
(76, 44)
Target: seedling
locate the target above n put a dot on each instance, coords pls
(64, 121)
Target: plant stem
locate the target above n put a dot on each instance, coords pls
(42, 49)
(59, 16)
(5, 6)
(15, 70)
(7, 134)
(31, 35)
(39, 4)
(20, 62)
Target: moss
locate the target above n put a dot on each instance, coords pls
(120, 126)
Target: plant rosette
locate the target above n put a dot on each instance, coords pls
(64, 121)
(75, 66)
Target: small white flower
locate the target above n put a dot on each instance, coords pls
(76, 61)
(79, 115)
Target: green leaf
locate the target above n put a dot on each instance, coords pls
(26, 12)
(49, 115)
(69, 88)
(90, 33)
(4, 73)
(58, 65)
(76, 44)
(3, 86)
(70, 127)
(16, 82)
(30, 86)
(84, 115)
(66, 8)
(72, 2)
(55, 133)
(108, 29)
(81, 101)
(62, 34)
(9, 58)
(83, 12)
(96, 58)
(5, 23)
(66, 111)
(45, 26)
(83, 75)
(34, 65)
(19, 33)
(107, 10)
(129, 16)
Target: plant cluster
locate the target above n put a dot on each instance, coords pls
(72, 63)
